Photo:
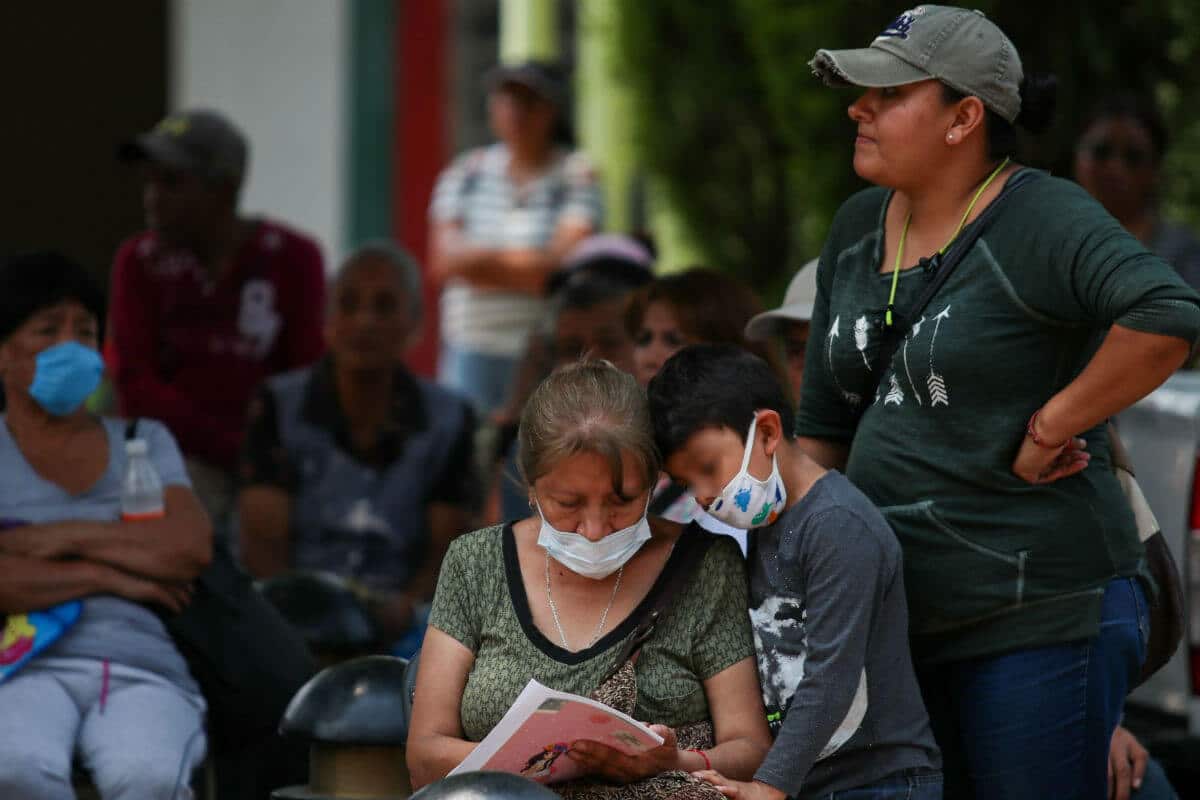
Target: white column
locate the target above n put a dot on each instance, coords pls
(278, 69)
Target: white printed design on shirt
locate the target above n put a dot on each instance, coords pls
(860, 339)
(834, 332)
(360, 526)
(853, 720)
(781, 644)
(914, 333)
(363, 520)
(258, 321)
(895, 395)
(891, 391)
(938, 395)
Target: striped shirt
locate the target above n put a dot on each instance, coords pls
(477, 193)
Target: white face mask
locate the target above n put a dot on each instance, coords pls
(746, 502)
(594, 560)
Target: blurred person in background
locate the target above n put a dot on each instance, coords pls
(697, 306)
(586, 321)
(598, 275)
(112, 690)
(789, 324)
(354, 465)
(206, 303)
(1118, 159)
(503, 218)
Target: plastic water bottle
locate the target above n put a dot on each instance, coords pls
(141, 488)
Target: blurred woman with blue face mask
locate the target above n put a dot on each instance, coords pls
(561, 596)
(112, 689)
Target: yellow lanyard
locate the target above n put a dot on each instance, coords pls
(962, 223)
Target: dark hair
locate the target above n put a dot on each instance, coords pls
(713, 386)
(546, 80)
(587, 294)
(596, 280)
(34, 281)
(1039, 95)
(1137, 107)
(710, 306)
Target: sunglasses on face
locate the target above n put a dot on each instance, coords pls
(1133, 157)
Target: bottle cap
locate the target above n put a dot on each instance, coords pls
(136, 447)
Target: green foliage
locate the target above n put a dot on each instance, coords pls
(754, 151)
(702, 122)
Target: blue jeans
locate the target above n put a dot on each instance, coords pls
(1037, 723)
(482, 378)
(908, 785)
(1155, 785)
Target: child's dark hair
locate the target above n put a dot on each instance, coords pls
(713, 386)
(32, 282)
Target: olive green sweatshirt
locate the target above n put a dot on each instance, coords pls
(991, 563)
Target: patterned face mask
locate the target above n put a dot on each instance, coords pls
(747, 502)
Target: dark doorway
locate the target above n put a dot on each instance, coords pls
(76, 79)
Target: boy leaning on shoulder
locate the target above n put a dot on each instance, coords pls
(826, 586)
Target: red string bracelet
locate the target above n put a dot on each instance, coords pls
(704, 755)
(1039, 441)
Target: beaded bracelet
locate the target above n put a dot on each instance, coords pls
(1032, 434)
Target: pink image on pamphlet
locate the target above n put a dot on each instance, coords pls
(533, 737)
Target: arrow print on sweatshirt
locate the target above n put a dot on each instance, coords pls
(861, 340)
(912, 334)
(937, 384)
(895, 395)
(834, 332)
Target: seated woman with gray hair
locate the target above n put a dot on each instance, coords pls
(562, 596)
(354, 465)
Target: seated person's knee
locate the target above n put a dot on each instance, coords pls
(33, 773)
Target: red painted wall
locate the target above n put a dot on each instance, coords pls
(420, 144)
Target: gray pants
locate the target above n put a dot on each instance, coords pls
(142, 745)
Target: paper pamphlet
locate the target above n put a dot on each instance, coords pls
(533, 736)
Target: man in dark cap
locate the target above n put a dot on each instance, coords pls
(503, 217)
(206, 303)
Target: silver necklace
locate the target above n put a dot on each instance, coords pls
(603, 617)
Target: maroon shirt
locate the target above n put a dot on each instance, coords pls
(190, 352)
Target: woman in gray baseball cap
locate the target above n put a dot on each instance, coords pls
(977, 419)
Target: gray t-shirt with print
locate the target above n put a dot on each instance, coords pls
(831, 630)
(110, 628)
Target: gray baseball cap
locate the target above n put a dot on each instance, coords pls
(198, 141)
(960, 47)
(797, 306)
(544, 79)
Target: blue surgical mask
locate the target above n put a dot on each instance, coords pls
(64, 377)
(594, 560)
